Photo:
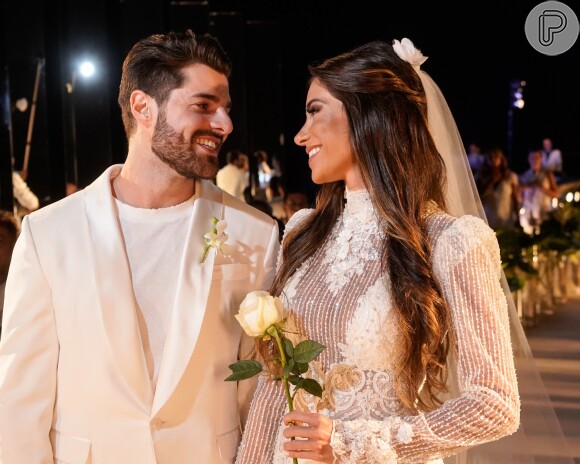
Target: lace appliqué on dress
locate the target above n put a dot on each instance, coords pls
(350, 241)
(359, 441)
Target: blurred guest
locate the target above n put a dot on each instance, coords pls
(26, 199)
(275, 188)
(539, 187)
(233, 178)
(498, 187)
(551, 157)
(475, 158)
(9, 227)
(264, 174)
(293, 202)
(265, 207)
(276, 165)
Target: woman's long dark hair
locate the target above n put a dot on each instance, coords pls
(403, 172)
(486, 179)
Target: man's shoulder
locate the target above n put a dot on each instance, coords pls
(67, 207)
(71, 206)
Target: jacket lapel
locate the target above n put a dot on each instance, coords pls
(192, 293)
(114, 285)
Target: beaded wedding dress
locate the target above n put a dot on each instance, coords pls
(344, 302)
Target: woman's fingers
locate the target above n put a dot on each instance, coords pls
(309, 436)
(307, 418)
(301, 431)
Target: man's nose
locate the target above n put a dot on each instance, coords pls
(222, 121)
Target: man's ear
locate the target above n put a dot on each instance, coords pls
(141, 107)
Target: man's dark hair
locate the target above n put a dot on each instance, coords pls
(154, 65)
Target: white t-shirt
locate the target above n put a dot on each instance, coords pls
(154, 241)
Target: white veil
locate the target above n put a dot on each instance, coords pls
(539, 438)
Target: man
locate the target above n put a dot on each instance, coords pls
(475, 158)
(234, 176)
(117, 338)
(551, 157)
(9, 227)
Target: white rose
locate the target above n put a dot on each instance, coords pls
(258, 311)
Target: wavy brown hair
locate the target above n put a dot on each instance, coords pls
(387, 112)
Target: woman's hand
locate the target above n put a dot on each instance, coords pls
(312, 436)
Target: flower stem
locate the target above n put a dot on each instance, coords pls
(283, 360)
(205, 250)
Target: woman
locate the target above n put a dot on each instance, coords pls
(539, 187)
(405, 297)
(498, 187)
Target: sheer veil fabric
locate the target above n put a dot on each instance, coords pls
(539, 438)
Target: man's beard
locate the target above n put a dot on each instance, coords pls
(178, 153)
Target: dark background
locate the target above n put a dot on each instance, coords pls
(475, 51)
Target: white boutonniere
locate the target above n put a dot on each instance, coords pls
(216, 238)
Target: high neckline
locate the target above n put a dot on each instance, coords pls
(358, 202)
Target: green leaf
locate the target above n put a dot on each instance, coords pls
(288, 367)
(243, 370)
(299, 368)
(309, 385)
(307, 350)
(288, 347)
(295, 379)
(312, 387)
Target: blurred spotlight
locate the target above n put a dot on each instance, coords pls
(517, 101)
(518, 94)
(87, 69)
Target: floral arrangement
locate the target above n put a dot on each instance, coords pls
(262, 316)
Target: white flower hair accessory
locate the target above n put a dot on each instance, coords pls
(216, 238)
(407, 51)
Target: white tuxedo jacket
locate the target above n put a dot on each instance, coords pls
(74, 385)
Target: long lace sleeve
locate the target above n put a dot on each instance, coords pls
(467, 264)
(266, 412)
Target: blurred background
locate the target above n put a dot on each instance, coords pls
(60, 127)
